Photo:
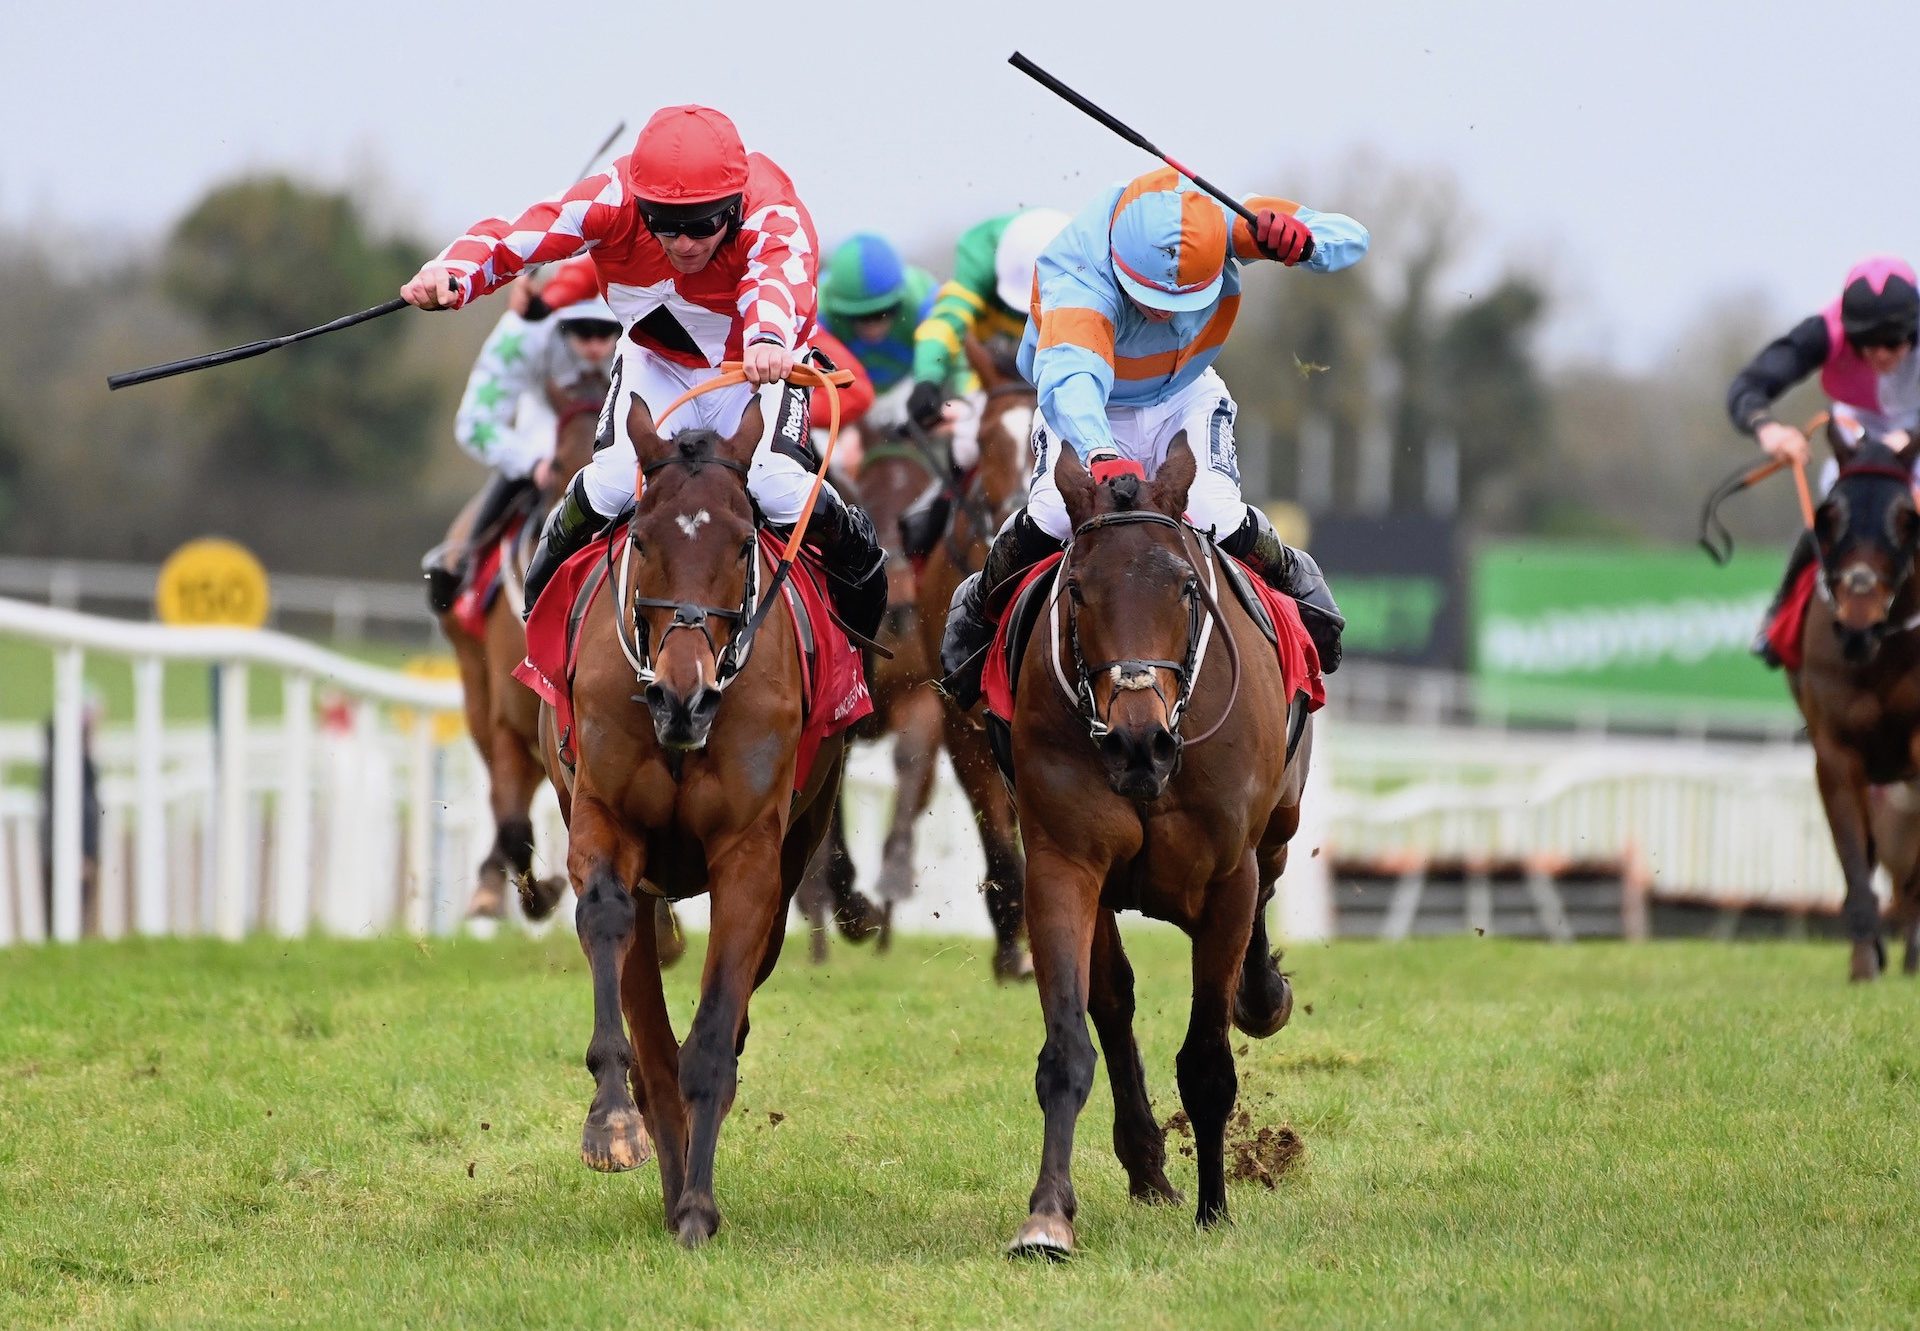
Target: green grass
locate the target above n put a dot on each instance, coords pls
(384, 1134)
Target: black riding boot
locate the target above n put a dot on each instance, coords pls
(570, 526)
(925, 519)
(1803, 553)
(855, 565)
(963, 646)
(446, 579)
(1285, 569)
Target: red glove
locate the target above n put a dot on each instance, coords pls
(1282, 236)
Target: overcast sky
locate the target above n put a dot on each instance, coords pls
(1655, 156)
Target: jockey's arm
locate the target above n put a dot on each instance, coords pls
(486, 426)
(957, 307)
(1073, 371)
(1338, 241)
(495, 251)
(1781, 364)
(776, 295)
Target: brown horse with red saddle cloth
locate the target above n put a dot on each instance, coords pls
(694, 727)
(1849, 635)
(1159, 747)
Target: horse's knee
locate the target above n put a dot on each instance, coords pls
(1065, 1067)
(606, 914)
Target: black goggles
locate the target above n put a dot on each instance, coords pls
(875, 316)
(695, 228)
(590, 328)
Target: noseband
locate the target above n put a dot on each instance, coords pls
(729, 659)
(1130, 673)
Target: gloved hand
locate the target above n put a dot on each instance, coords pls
(926, 404)
(1282, 236)
(1106, 464)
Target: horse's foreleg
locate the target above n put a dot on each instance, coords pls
(1061, 926)
(1138, 1139)
(1844, 792)
(1204, 1064)
(516, 775)
(602, 863)
(747, 899)
(655, 1075)
(916, 750)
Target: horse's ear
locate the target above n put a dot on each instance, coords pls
(1175, 478)
(1908, 448)
(746, 438)
(1076, 487)
(648, 446)
(982, 362)
(1844, 435)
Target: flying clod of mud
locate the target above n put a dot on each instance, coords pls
(1261, 1155)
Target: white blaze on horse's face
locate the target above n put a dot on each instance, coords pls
(691, 525)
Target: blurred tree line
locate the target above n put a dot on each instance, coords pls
(1384, 388)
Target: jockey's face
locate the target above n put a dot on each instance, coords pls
(1883, 360)
(1150, 314)
(689, 254)
(594, 348)
(873, 327)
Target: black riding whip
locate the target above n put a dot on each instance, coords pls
(262, 347)
(1138, 140)
(1715, 539)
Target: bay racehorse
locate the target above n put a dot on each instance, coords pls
(891, 475)
(502, 715)
(1160, 781)
(988, 497)
(687, 725)
(1858, 681)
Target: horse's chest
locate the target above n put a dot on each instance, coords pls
(1168, 879)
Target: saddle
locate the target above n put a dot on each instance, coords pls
(483, 581)
(833, 682)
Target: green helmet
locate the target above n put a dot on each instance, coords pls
(863, 277)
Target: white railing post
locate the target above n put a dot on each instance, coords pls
(150, 810)
(415, 900)
(230, 813)
(293, 890)
(1306, 888)
(69, 703)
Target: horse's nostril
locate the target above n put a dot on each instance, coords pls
(1165, 748)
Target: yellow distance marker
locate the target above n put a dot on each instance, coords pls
(212, 582)
(447, 726)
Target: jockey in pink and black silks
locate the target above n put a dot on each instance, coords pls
(1862, 345)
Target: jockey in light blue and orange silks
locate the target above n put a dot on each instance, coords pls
(1131, 304)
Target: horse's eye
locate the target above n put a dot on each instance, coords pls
(1073, 590)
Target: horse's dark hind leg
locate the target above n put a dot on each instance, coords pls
(1264, 999)
(1204, 1064)
(1843, 790)
(614, 1136)
(1138, 1140)
(1006, 881)
(916, 753)
(1061, 925)
(855, 914)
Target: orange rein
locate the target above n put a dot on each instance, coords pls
(1800, 472)
(833, 381)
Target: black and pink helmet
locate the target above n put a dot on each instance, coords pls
(1880, 305)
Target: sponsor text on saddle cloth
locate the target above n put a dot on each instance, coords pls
(1299, 661)
(833, 681)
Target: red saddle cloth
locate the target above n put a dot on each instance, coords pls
(1787, 630)
(1299, 659)
(483, 583)
(833, 678)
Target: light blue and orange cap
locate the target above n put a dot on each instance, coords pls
(1169, 243)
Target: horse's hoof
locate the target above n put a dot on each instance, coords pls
(1048, 1236)
(1209, 1216)
(1155, 1192)
(884, 941)
(615, 1141)
(859, 919)
(1869, 958)
(1012, 963)
(1266, 1011)
(896, 879)
(697, 1223)
(538, 896)
(489, 898)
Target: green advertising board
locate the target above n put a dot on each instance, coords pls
(1561, 630)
